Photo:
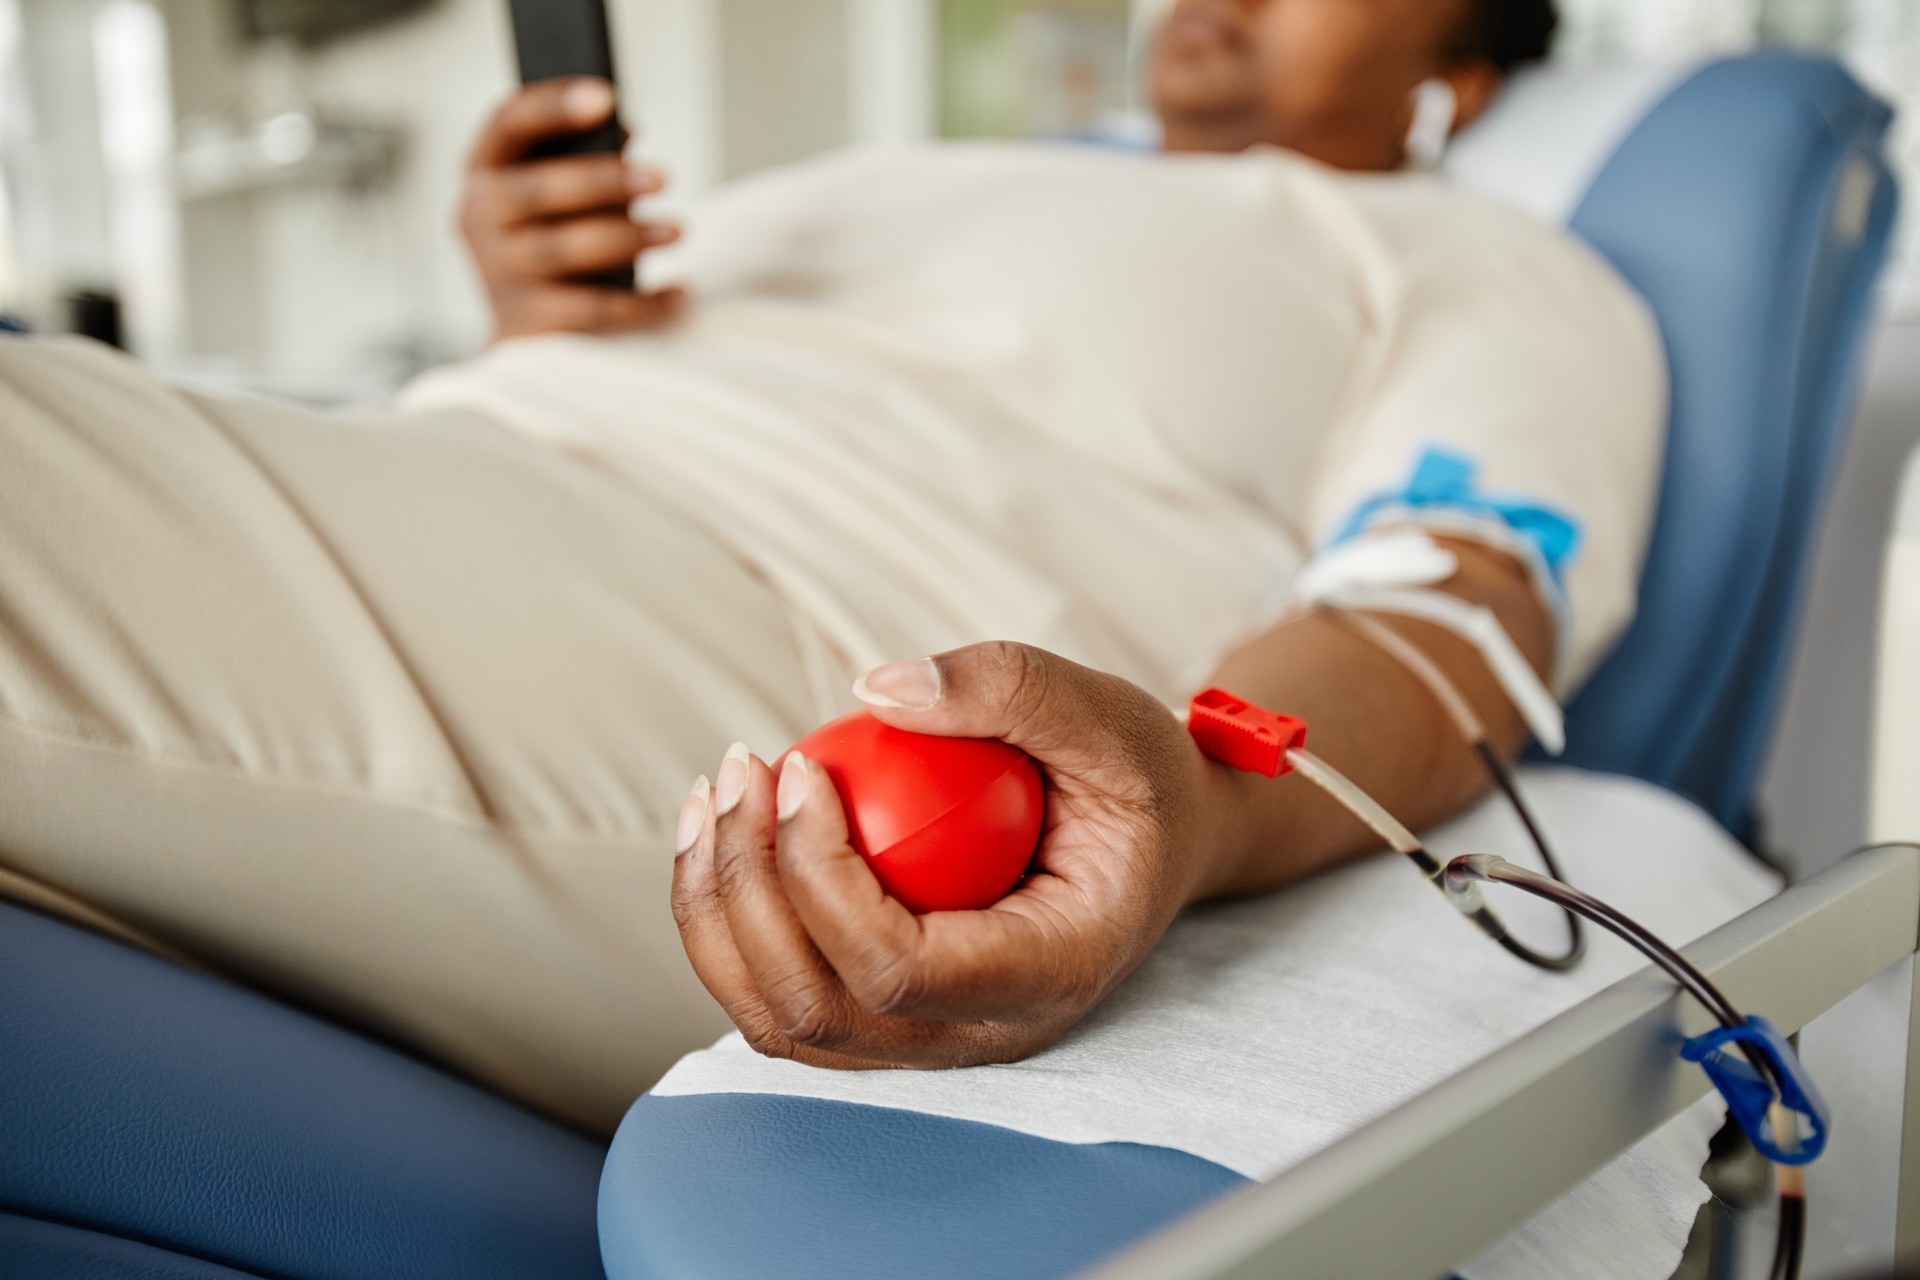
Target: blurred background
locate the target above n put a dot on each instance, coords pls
(266, 186)
(260, 194)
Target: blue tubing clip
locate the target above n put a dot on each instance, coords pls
(1750, 1094)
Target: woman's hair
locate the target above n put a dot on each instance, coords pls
(1510, 33)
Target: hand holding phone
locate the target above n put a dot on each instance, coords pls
(568, 39)
(548, 232)
(564, 39)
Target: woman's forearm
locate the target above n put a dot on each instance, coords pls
(1374, 721)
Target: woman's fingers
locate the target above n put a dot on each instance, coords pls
(779, 990)
(797, 937)
(560, 187)
(577, 246)
(548, 109)
(698, 912)
(1121, 771)
(804, 1000)
(1077, 722)
(583, 308)
(872, 943)
(542, 230)
(1019, 960)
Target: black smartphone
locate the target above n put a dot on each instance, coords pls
(557, 38)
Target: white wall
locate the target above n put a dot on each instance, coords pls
(346, 274)
(1814, 798)
(320, 288)
(317, 287)
(311, 284)
(893, 69)
(60, 196)
(805, 48)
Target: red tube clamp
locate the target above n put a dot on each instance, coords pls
(1243, 736)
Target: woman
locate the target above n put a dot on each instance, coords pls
(394, 714)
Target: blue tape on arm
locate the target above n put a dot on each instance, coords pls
(1443, 480)
(1750, 1094)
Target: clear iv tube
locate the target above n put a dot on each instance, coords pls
(1465, 896)
(1465, 871)
(1357, 802)
(1460, 882)
(1790, 1240)
(1389, 828)
(1474, 730)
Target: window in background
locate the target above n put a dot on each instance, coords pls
(312, 20)
(10, 106)
(1822, 23)
(1032, 68)
(1882, 41)
(136, 148)
(1879, 39)
(16, 292)
(9, 285)
(893, 65)
(786, 93)
(1598, 30)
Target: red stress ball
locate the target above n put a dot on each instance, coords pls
(947, 824)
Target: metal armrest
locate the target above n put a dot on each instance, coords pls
(1445, 1175)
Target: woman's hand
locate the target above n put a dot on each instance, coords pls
(540, 228)
(792, 934)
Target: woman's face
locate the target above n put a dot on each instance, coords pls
(1333, 79)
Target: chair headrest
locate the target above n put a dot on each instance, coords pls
(1553, 128)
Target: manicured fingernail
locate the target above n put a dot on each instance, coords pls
(796, 775)
(642, 181)
(731, 782)
(693, 816)
(588, 100)
(909, 686)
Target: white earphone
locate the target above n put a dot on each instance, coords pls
(1435, 108)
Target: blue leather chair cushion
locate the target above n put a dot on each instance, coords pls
(748, 1185)
(1753, 209)
(50, 1251)
(185, 1116)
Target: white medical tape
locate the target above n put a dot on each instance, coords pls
(1397, 557)
(1488, 531)
(1479, 627)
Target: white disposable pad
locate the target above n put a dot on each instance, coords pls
(1261, 1031)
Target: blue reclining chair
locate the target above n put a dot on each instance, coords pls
(1752, 206)
(1753, 209)
(157, 1123)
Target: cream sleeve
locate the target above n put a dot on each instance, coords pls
(1506, 341)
